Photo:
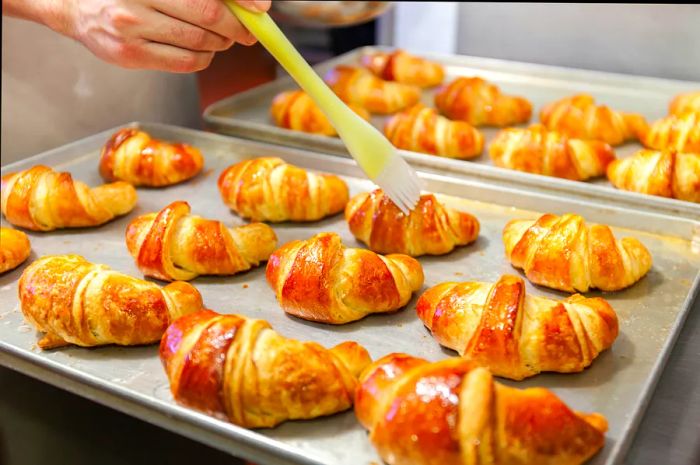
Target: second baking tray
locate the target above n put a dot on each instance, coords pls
(247, 115)
(131, 379)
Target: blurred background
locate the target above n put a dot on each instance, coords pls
(54, 91)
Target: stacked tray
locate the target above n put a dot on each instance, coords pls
(247, 115)
(131, 379)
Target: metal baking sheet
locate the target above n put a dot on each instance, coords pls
(132, 380)
(247, 115)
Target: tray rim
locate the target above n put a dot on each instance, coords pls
(233, 439)
(330, 145)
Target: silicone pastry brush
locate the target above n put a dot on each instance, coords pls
(373, 152)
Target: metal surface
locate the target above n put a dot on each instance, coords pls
(247, 115)
(618, 384)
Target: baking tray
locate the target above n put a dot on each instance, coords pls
(132, 380)
(247, 115)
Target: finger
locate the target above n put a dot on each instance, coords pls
(207, 14)
(168, 30)
(258, 6)
(163, 57)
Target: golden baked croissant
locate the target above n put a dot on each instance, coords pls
(405, 68)
(664, 173)
(241, 370)
(77, 302)
(678, 132)
(319, 279)
(563, 252)
(174, 245)
(360, 87)
(42, 199)
(683, 103)
(480, 103)
(540, 151)
(422, 129)
(431, 228)
(14, 248)
(268, 189)
(133, 156)
(578, 116)
(452, 412)
(297, 111)
(516, 335)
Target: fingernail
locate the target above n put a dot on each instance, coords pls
(262, 5)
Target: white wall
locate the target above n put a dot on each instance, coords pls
(652, 40)
(54, 91)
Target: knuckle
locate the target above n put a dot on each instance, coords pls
(121, 18)
(197, 39)
(210, 11)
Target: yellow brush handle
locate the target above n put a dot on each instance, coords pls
(345, 121)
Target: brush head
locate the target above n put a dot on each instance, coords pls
(400, 182)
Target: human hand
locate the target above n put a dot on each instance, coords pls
(170, 35)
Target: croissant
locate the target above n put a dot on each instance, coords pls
(678, 132)
(42, 199)
(77, 302)
(664, 173)
(540, 151)
(579, 117)
(431, 228)
(563, 252)
(321, 280)
(174, 245)
(481, 103)
(268, 189)
(405, 68)
(682, 103)
(297, 111)
(421, 129)
(452, 412)
(133, 156)
(360, 87)
(515, 335)
(241, 370)
(14, 248)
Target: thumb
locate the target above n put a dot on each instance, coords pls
(258, 6)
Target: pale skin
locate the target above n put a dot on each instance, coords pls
(179, 36)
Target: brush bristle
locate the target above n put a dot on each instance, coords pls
(401, 183)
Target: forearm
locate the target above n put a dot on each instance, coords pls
(52, 13)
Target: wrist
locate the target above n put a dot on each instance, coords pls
(55, 14)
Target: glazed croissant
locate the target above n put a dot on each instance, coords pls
(405, 68)
(480, 103)
(677, 132)
(422, 129)
(453, 413)
(515, 335)
(297, 111)
(360, 87)
(77, 302)
(579, 117)
(42, 199)
(664, 173)
(268, 189)
(683, 103)
(133, 156)
(431, 228)
(14, 248)
(563, 252)
(319, 279)
(174, 245)
(239, 369)
(540, 151)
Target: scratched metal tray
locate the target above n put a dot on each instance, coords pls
(132, 380)
(247, 115)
